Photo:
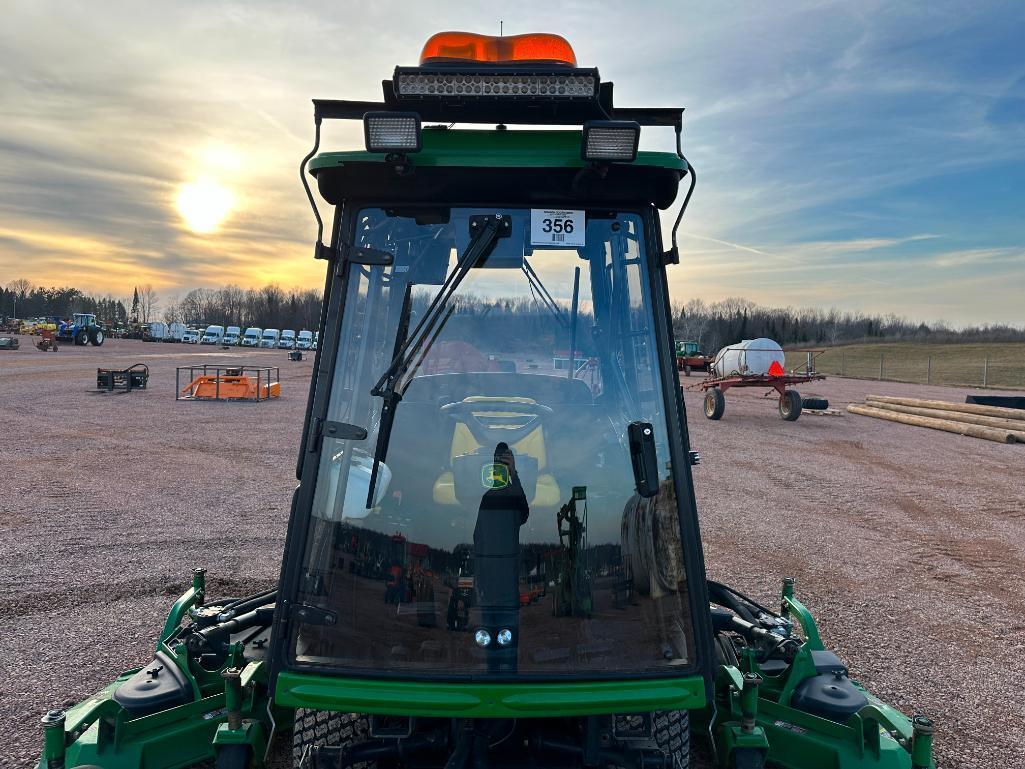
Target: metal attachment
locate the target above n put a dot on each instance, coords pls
(921, 742)
(922, 725)
(233, 697)
(53, 739)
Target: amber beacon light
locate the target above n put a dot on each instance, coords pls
(458, 65)
(471, 48)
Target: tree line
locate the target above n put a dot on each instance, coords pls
(714, 325)
(20, 299)
(267, 307)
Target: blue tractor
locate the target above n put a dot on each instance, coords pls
(81, 329)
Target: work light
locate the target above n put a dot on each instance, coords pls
(556, 85)
(610, 140)
(482, 637)
(504, 637)
(397, 132)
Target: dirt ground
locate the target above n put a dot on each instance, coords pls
(907, 544)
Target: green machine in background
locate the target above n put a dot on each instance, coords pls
(497, 397)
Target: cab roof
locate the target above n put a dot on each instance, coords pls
(502, 166)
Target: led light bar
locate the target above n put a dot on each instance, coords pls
(397, 132)
(575, 85)
(610, 140)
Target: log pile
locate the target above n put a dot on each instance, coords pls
(991, 423)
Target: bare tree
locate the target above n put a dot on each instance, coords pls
(148, 302)
(172, 312)
(19, 288)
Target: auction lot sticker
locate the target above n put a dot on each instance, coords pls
(553, 227)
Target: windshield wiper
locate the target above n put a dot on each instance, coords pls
(537, 287)
(485, 230)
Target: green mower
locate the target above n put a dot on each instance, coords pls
(493, 556)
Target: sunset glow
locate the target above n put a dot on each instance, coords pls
(204, 204)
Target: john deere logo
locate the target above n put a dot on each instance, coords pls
(494, 475)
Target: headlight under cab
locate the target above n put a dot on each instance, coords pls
(388, 132)
(610, 140)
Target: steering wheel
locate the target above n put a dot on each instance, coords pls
(491, 420)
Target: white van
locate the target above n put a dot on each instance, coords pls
(231, 335)
(212, 335)
(305, 340)
(252, 337)
(270, 337)
(287, 341)
(191, 336)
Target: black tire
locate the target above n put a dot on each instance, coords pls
(323, 727)
(234, 757)
(790, 405)
(715, 403)
(97, 338)
(814, 402)
(671, 730)
(82, 338)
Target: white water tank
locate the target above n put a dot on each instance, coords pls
(748, 358)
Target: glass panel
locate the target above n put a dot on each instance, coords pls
(505, 501)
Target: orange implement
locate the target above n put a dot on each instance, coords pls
(230, 388)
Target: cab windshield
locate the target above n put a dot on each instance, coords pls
(498, 532)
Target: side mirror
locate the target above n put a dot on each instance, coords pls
(643, 457)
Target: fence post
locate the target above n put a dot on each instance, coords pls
(928, 373)
(985, 371)
(843, 363)
(880, 367)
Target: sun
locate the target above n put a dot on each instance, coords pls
(203, 204)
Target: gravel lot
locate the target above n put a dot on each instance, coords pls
(908, 544)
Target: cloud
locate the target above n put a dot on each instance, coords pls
(980, 257)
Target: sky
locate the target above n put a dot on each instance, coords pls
(859, 155)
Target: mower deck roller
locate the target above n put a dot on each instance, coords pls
(228, 383)
(493, 555)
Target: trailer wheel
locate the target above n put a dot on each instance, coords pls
(790, 405)
(234, 757)
(314, 728)
(97, 338)
(82, 338)
(715, 403)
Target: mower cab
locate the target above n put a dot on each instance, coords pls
(493, 555)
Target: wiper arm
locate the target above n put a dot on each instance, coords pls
(487, 230)
(546, 297)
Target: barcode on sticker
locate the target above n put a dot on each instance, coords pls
(558, 237)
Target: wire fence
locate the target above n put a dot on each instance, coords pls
(917, 367)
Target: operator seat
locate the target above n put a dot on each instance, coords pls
(499, 414)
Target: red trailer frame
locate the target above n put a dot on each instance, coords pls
(790, 401)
